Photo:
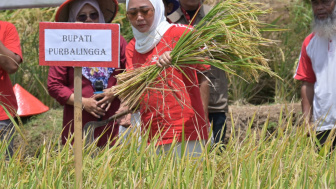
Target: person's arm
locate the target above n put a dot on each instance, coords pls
(307, 95)
(9, 61)
(204, 89)
(58, 88)
(10, 50)
(125, 120)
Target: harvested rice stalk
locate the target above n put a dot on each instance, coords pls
(229, 36)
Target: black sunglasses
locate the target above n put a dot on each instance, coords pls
(84, 17)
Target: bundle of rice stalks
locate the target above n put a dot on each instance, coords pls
(228, 38)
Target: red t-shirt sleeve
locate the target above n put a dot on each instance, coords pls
(58, 84)
(130, 48)
(304, 71)
(123, 45)
(11, 39)
(181, 29)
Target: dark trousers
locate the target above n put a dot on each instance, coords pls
(322, 138)
(218, 128)
(6, 135)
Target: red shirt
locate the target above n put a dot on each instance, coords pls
(10, 38)
(61, 86)
(179, 103)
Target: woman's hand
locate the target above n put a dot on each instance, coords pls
(105, 99)
(164, 60)
(124, 121)
(91, 105)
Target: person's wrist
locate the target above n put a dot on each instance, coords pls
(111, 93)
(84, 103)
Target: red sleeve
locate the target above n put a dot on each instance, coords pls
(202, 67)
(58, 83)
(123, 45)
(12, 40)
(129, 54)
(304, 71)
(181, 29)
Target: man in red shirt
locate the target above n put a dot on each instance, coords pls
(10, 58)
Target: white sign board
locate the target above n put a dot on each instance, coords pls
(78, 45)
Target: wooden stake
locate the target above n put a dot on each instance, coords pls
(78, 126)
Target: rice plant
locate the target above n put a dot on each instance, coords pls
(286, 158)
(284, 59)
(295, 20)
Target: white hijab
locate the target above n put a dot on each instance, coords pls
(76, 6)
(144, 42)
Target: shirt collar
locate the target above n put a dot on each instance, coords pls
(188, 17)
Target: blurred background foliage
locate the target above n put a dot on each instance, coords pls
(295, 17)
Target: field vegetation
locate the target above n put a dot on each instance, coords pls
(275, 154)
(285, 158)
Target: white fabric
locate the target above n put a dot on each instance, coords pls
(76, 6)
(322, 53)
(144, 42)
(193, 148)
(136, 123)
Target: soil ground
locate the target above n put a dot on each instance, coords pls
(241, 117)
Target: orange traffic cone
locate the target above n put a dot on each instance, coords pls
(28, 104)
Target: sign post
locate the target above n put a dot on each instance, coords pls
(78, 126)
(79, 45)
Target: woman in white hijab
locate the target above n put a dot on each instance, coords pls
(61, 78)
(177, 108)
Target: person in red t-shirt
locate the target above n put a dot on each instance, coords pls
(10, 58)
(61, 78)
(177, 108)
